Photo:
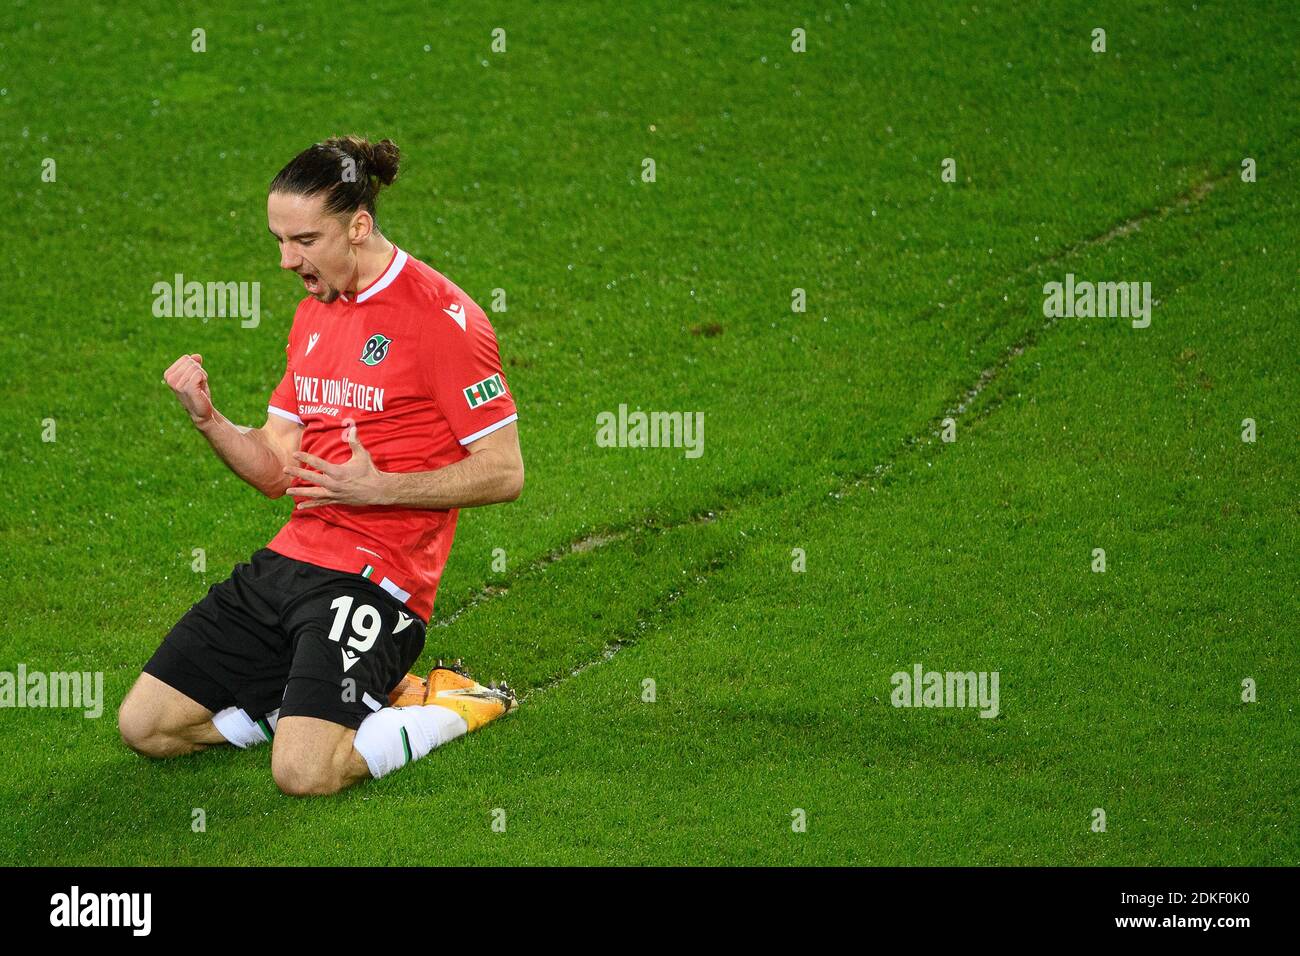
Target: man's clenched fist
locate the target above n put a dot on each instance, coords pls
(189, 381)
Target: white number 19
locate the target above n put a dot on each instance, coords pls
(365, 621)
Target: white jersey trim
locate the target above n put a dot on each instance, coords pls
(384, 281)
(284, 414)
(490, 429)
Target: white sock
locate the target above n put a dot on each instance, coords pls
(395, 736)
(237, 727)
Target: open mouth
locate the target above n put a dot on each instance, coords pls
(311, 282)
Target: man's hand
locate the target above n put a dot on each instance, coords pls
(492, 472)
(188, 379)
(355, 482)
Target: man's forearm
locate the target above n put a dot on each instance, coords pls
(481, 479)
(246, 453)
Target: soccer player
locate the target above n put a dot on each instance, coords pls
(393, 414)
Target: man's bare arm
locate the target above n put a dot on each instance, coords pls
(257, 455)
(493, 472)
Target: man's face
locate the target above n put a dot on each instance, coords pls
(313, 244)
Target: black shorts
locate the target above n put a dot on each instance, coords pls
(287, 635)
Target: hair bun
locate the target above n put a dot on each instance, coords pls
(373, 159)
(383, 160)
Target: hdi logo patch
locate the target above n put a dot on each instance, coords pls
(376, 349)
(480, 393)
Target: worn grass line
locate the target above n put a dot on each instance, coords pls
(961, 404)
(589, 542)
(967, 397)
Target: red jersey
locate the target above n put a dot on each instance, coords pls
(414, 362)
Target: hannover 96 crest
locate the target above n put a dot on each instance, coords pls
(376, 349)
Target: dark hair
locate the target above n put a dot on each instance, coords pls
(321, 168)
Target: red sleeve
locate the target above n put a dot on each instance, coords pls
(284, 400)
(465, 370)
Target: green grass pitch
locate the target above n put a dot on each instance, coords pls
(772, 737)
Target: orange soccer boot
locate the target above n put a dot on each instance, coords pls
(451, 686)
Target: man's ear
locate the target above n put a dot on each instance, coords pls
(362, 225)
